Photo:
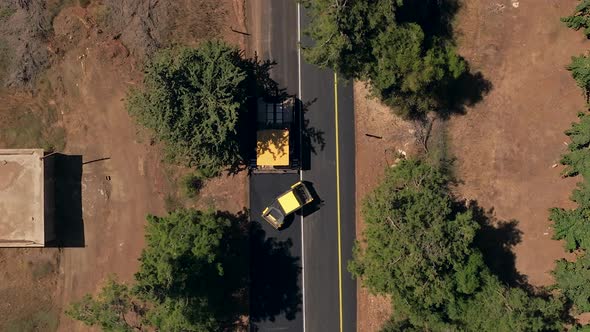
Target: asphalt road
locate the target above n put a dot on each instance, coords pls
(275, 292)
(326, 234)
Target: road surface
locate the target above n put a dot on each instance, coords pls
(320, 243)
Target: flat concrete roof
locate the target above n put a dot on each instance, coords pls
(21, 198)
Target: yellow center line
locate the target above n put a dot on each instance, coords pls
(338, 199)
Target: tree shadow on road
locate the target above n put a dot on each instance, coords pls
(274, 278)
(312, 138)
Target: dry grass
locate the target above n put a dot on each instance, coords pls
(31, 121)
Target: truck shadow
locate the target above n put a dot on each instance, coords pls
(274, 278)
(313, 206)
(288, 221)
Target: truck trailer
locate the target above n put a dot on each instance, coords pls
(276, 137)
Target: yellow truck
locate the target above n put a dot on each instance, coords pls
(276, 138)
(287, 203)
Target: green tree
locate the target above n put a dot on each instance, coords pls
(342, 32)
(572, 279)
(182, 237)
(573, 226)
(496, 307)
(408, 61)
(409, 75)
(580, 18)
(580, 68)
(181, 284)
(419, 249)
(577, 160)
(182, 269)
(192, 101)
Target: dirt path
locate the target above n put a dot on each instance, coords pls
(118, 192)
(373, 155)
(507, 145)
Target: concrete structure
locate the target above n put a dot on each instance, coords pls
(26, 198)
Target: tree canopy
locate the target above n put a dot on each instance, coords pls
(183, 282)
(572, 279)
(404, 50)
(573, 225)
(580, 18)
(192, 99)
(419, 248)
(580, 68)
(410, 215)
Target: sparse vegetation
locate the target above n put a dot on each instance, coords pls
(29, 118)
(30, 128)
(172, 202)
(41, 269)
(109, 308)
(6, 12)
(84, 3)
(192, 184)
(102, 14)
(54, 7)
(6, 59)
(44, 320)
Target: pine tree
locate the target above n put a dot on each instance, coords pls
(580, 68)
(572, 280)
(580, 19)
(192, 101)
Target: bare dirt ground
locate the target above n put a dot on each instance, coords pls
(506, 146)
(81, 106)
(373, 156)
